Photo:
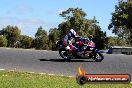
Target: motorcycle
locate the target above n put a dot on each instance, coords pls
(84, 49)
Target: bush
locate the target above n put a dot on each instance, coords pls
(3, 41)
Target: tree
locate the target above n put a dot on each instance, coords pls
(116, 41)
(25, 41)
(99, 37)
(41, 39)
(54, 35)
(121, 22)
(3, 41)
(75, 18)
(12, 34)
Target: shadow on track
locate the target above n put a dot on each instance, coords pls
(62, 60)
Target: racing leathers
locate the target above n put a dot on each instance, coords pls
(68, 42)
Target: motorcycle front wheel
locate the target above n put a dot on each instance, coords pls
(98, 57)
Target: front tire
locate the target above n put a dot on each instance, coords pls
(98, 57)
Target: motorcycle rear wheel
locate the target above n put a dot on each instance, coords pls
(65, 55)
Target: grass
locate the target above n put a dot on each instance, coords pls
(12, 79)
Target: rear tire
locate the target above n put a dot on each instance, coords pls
(64, 54)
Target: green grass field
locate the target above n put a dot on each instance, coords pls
(12, 79)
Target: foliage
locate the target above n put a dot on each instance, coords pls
(54, 35)
(116, 41)
(3, 41)
(121, 22)
(25, 42)
(12, 34)
(74, 19)
(41, 39)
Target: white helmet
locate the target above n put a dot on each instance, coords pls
(73, 33)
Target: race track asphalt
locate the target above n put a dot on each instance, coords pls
(50, 62)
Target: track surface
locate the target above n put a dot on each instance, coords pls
(50, 62)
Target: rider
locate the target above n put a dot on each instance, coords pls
(69, 39)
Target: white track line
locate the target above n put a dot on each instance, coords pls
(31, 72)
(50, 74)
(70, 76)
(2, 69)
(42, 73)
